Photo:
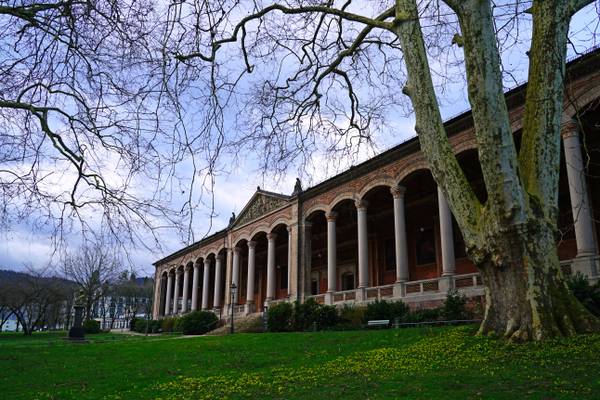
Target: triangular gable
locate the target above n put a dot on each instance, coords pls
(258, 205)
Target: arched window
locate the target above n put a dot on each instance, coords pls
(348, 281)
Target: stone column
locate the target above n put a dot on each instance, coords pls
(176, 294)
(331, 257)
(235, 275)
(289, 263)
(205, 284)
(582, 215)
(447, 238)
(584, 262)
(271, 266)
(228, 277)
(400, 234)
(249, 309)
(186, 273)
(218, 281)
(306, 253)
(195, 279)
(168, 297)
(363, 249)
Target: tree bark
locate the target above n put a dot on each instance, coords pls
(526, 295)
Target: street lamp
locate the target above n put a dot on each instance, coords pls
(233, 290)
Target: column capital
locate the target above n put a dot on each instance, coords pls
(331, 216)
(569, 129)
(251, 244)
(219, 257)
(271, 236)
(207, 262)
(236, 250)
(289, 229)
(361, 204)
(398, 191)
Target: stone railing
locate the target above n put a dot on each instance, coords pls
(380, 292)
(344, 296)
(467, 280)
(239, 309)
(319, 298)
(420, 287)
(566, 266)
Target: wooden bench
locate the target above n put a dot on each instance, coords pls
(379, 322)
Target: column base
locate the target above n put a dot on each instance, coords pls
(399, 290)
(446, 283)
(329, 298)
(586, 264)
(361, 294)
(249, 308)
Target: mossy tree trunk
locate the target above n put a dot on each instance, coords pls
(511, 238)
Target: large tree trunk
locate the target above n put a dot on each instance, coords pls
(526, 295)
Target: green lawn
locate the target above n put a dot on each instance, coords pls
(417, 363)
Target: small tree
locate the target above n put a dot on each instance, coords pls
(93, 268)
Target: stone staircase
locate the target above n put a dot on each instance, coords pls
(248, 324)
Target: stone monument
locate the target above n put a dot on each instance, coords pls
(77, 332)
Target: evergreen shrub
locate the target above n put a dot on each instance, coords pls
(351, 317)
(390, 310)
(196, 323)
(455, 306)
(588, 295)
(167, 324)
(279, 317)
(91, 326)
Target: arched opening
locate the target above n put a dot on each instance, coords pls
(260, 271)
(178, 289)
(199, 266)
(422, 225)
(163, 293)
(317, 273)
(380, 228)
(189, 271)
(220, 279)
(281, 260)
(469, 162)
(346, 229)
(348, 281)
(210, 287)
(242, 248)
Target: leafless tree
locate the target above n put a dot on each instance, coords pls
(93, 267)
(88, 141)
(311, 74)
(32, 295)
(5, 312)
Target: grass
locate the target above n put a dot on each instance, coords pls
(417, 363)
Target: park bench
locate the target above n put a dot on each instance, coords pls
(379, 322)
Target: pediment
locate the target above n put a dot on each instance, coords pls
(260, 204)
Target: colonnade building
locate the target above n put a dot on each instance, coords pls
(382, 229)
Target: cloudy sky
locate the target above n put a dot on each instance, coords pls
(239, 175)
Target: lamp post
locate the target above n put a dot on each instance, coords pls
(233, 290)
